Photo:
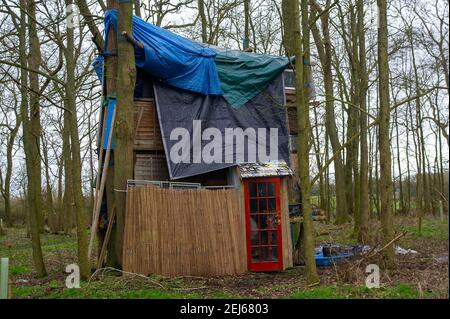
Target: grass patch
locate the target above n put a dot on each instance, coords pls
(55, 291)
(400, 291)
(431, 228)
(326, 292)
(19, 270)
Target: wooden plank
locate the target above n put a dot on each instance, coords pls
(150, 166)
(147, 129)
(99, 163)
(292, 120)
(285, 226)
(102, 254)
(98, 205)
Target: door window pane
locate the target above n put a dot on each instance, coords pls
(264, 238)
(272, 221)
(262, 189)
(256, 254)
(252, 189)
(272, 204)
(263, 221)
(273, 238)
(253, 206)
(273, 256)
(271, 189)
(254, 222)
(254, 237)
(264, 253)
(262, 205)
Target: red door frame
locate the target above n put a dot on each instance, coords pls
(263, 265)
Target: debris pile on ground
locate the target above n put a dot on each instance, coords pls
(330, 254)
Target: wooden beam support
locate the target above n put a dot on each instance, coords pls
(100, 158)
(130, 38)
(102, 255)
(102, 187)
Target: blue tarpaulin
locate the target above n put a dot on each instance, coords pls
(109, 114)
(171, 58)
(98, 66)
(192, 66)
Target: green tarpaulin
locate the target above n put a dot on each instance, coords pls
(244, 75)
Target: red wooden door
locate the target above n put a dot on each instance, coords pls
(263, 218)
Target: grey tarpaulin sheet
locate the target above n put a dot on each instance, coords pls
(178, 109)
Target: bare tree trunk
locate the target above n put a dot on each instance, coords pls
(6, 188)
(383, 138)
(325, 55)
(124, 126)
(79, 206)
(408, 172)
(111, 78)
(426, 207)
(31, 151)
(246, 24)
(60, 212)
(201, 12)
(48, 187)
(301, 49)
(351, 165)
(322, 191)
(402, 199)
(377, 175)
(137, 8)
(89, 18)
(68, 198)
(35, 115)
(327, 182)
(91, 171)
(364, 153)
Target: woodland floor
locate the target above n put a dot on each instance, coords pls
(422, 275)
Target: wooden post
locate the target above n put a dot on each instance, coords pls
(102, 186)
(441, 211)
(100, 158)
(4, 283)
(102, 254)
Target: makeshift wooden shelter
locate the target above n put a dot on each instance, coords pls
(193, 216)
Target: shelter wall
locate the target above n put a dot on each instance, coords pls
(176, 232)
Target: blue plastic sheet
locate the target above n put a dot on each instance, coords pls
(109, 114)
(98, 66)
(171, 58)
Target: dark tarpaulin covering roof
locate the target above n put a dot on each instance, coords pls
(179, 108)
(185, 64)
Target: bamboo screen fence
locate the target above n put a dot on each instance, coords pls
(175, 232)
